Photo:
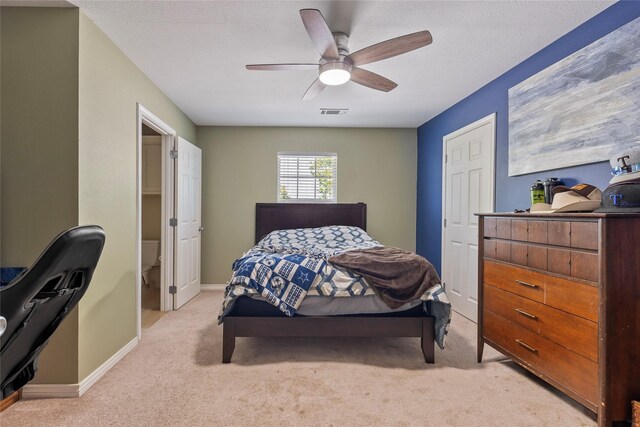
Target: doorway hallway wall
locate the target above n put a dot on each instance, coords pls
(151, 310)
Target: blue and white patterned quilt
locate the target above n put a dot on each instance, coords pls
(283, 279)
(287, 265)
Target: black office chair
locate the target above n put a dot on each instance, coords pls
(34, 304)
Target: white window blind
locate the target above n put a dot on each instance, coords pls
(307, 177)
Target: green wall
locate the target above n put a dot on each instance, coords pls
(239, 166)
(110, 86)
(39, 150)
(69, 129)
(39, 128)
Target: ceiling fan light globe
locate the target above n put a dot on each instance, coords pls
(334, 73)
(335, 77)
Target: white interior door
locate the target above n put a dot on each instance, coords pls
(468, 188)
(189, 227)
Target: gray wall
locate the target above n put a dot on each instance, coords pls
(375, 166)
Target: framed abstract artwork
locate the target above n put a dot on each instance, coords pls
(582, 109)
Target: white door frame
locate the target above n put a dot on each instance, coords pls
(168, 135)
(491, 120)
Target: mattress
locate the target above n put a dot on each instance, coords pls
(369, 305)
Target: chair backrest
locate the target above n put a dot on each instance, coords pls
(36, 302)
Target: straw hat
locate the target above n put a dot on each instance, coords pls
(579, 198)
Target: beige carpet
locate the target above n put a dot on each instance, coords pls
(174, 377)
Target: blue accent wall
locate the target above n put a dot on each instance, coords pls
(511, 192)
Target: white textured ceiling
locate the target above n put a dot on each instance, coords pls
(195, 51)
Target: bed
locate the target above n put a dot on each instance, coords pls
(306, 237)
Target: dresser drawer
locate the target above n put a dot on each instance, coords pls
(559, 233)
(516, 280)
(584, 266)
(527, 255)
(572, 263)
(490, 227)
(572, 332)
(572, 296)
(575, 234)
(565, 294)
(503, 228)
(537, 231)
(575, 372)
(584, 235)
(520, 230)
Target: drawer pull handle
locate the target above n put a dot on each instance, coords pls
(529, 285)
(527, 346)
(529, 315)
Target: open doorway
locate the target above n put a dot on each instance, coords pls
(154, 207)
(174, 189)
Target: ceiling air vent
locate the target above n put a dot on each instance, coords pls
(334, 111)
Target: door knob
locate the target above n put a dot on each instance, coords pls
(200, 228)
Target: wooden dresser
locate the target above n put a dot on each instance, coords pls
(560, 295)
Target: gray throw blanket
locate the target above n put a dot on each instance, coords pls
(397, 276)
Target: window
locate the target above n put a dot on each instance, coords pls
(307, 177)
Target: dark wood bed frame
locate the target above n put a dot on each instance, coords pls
(278, 216)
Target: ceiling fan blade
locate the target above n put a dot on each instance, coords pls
(283, 67)
(390, 48)
(316, 87)
(319, 33)
(372, 80)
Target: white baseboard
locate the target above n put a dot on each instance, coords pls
(43, 391)
(93, 377)
(213, 287)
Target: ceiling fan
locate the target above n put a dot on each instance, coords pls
(337, 66)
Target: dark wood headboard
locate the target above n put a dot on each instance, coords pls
(280, 216)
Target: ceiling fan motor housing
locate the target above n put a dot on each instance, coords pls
(342, 41)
